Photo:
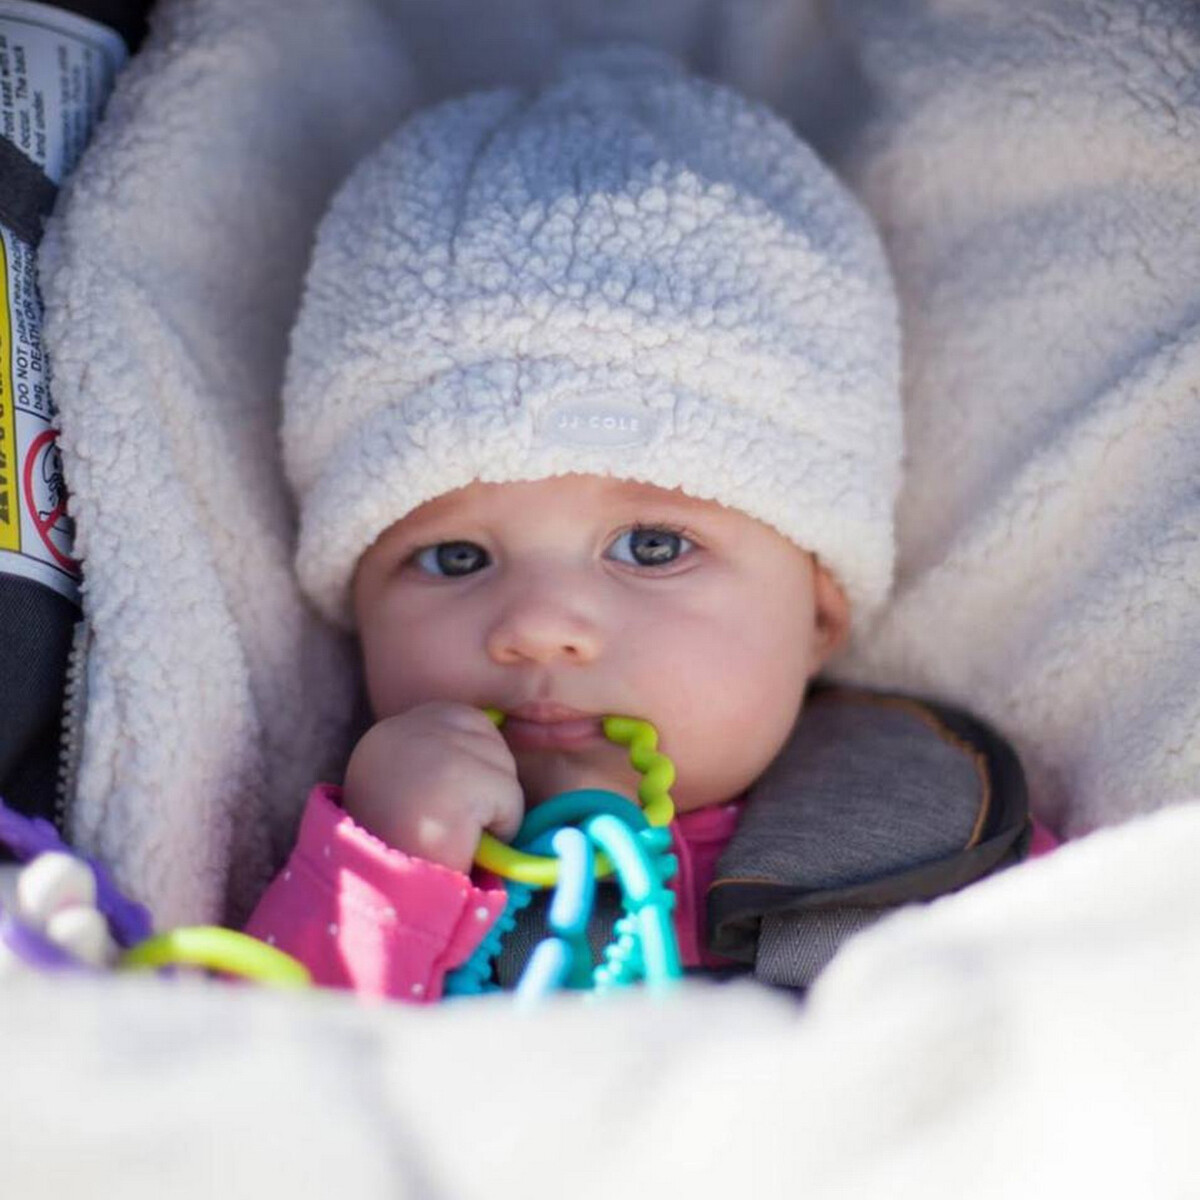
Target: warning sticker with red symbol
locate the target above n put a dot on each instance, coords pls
(56, 69)
(35, 531)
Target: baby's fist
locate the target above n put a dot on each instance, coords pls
(431, 779)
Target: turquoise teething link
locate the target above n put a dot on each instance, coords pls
(646, 895)
(547, 970)
(568, 807)
(632, 842)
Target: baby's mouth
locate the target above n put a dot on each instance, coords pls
(551, 727)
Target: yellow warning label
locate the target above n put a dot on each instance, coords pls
(10, 513)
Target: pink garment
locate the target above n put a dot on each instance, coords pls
(1043, 841)
(362, 915)
(697, 839)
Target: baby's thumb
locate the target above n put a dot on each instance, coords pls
(509, 812)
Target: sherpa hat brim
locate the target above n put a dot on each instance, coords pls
(506, 421)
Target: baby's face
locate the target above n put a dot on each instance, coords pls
(568, 599)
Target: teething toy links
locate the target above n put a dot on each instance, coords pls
(592, 833)
(658, 774)
(63, 912)
(66, 913)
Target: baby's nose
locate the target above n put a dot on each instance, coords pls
(540, 626)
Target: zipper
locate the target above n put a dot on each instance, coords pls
(70, 746)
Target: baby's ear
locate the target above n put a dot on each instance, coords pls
(831, 614)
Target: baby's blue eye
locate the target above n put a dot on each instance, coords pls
(452, 559)
(649, 546)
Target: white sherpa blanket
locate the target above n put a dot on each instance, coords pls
(1034, 1037)
(1035, 167)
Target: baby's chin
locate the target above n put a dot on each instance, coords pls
(544, 776)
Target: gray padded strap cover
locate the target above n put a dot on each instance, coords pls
(862, 788)
(877, 800)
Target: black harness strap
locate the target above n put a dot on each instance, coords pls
(26, 194)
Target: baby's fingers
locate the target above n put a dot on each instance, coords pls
(504, 807)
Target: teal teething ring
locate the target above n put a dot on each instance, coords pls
(593, 833)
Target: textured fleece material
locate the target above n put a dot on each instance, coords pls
(630, 272)
(1037, 170)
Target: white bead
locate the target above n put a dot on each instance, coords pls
(54, 881)
(418, 989)
(83, 932)
(482, 913)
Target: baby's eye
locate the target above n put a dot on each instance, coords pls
(649, 546)
(452, 559)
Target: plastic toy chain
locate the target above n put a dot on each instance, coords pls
(658, 774)
(222, 950)
(633, 842)
(644, 945)
(212, 947)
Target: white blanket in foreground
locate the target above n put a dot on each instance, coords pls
(1034, 1036)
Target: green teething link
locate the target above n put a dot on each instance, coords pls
(658, 774)
(218, 949)
(657, 770)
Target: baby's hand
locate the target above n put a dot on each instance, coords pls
(431, 779)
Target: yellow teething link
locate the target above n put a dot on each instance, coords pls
(657, 770)
(535, 870)
(658, 774)
(219, 949)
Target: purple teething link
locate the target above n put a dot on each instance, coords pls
(34, 949)
(27, 837)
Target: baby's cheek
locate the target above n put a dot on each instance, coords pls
(401, 677)
(721, 770)
(728, 730)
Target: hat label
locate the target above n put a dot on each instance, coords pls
(595, 423)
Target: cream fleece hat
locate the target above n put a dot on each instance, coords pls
(630, 272)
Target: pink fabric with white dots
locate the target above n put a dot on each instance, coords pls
(364, 916)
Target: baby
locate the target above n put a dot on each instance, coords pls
(593, 409)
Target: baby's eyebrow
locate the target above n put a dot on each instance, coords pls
(405, 536)
(439, 513)
(678, 510)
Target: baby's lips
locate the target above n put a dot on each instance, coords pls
(524, 734)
